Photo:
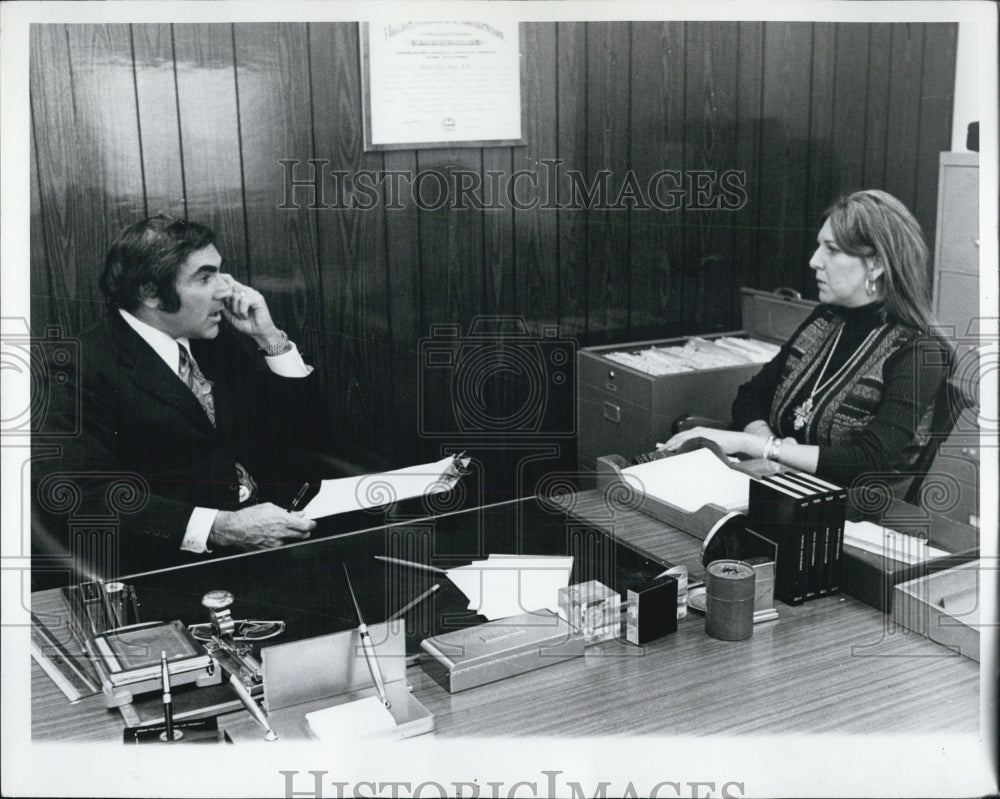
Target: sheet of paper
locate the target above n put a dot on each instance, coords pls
(383, 488)
(508, 585)
(881, 540)
(690, 481)
(363, 717)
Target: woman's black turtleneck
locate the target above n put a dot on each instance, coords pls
(858, 323)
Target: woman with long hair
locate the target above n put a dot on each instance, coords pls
(853, 390)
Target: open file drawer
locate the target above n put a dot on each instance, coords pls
(624, 410)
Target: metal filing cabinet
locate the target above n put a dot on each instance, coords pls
(623, 411)
(956, 307)
(956, 250)
(951, 487)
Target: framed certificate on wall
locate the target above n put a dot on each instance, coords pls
(440, 84)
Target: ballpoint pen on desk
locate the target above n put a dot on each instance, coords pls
(414, 602)
(367, 646)
(298, 498)
(168, 702)
(412, 564)
(248, 702)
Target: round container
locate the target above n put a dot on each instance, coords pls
(729, 586)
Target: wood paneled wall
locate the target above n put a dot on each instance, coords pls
(194, 119)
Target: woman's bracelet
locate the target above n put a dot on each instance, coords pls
(772, 449)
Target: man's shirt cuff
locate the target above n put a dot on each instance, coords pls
(198, 528)
(288, 364)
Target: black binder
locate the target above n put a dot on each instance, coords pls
(834, 499)
(779, 514)
(814, 522)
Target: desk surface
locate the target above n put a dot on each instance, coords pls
(832, 665)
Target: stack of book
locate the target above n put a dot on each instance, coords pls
(801, 518)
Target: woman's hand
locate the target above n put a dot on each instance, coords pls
(729, 441)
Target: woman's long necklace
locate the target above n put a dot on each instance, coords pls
(803, 415)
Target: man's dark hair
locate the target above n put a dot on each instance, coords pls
(150, 252)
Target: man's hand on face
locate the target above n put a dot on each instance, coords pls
(263, 526)
(246, 310)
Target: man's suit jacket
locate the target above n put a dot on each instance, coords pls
(136, 417)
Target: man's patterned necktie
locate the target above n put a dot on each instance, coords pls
(201, 387)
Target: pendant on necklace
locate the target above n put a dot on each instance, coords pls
(803, 414)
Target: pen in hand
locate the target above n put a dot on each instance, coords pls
(298, 498)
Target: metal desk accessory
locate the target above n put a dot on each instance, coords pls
(496, 650)
(127, 656)
(301, 677)
(763, 605)
(193, 731)
(228, 643)
(235, 656)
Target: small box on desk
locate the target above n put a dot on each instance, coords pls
(872, 578)
(651, 611)
(592, 609)
(499, 649)
(943, 606)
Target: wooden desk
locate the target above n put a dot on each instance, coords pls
(832, 665)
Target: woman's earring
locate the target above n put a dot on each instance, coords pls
(869, 286)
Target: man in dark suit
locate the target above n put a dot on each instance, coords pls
(179, 430)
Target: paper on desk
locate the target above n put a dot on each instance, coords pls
(882, 541)
(508, 585)
(690, 481)
(357, 719)
(383, 488)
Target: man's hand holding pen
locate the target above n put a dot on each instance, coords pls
(297, 501)
(264, 526)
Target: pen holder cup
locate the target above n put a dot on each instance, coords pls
(730, 600)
